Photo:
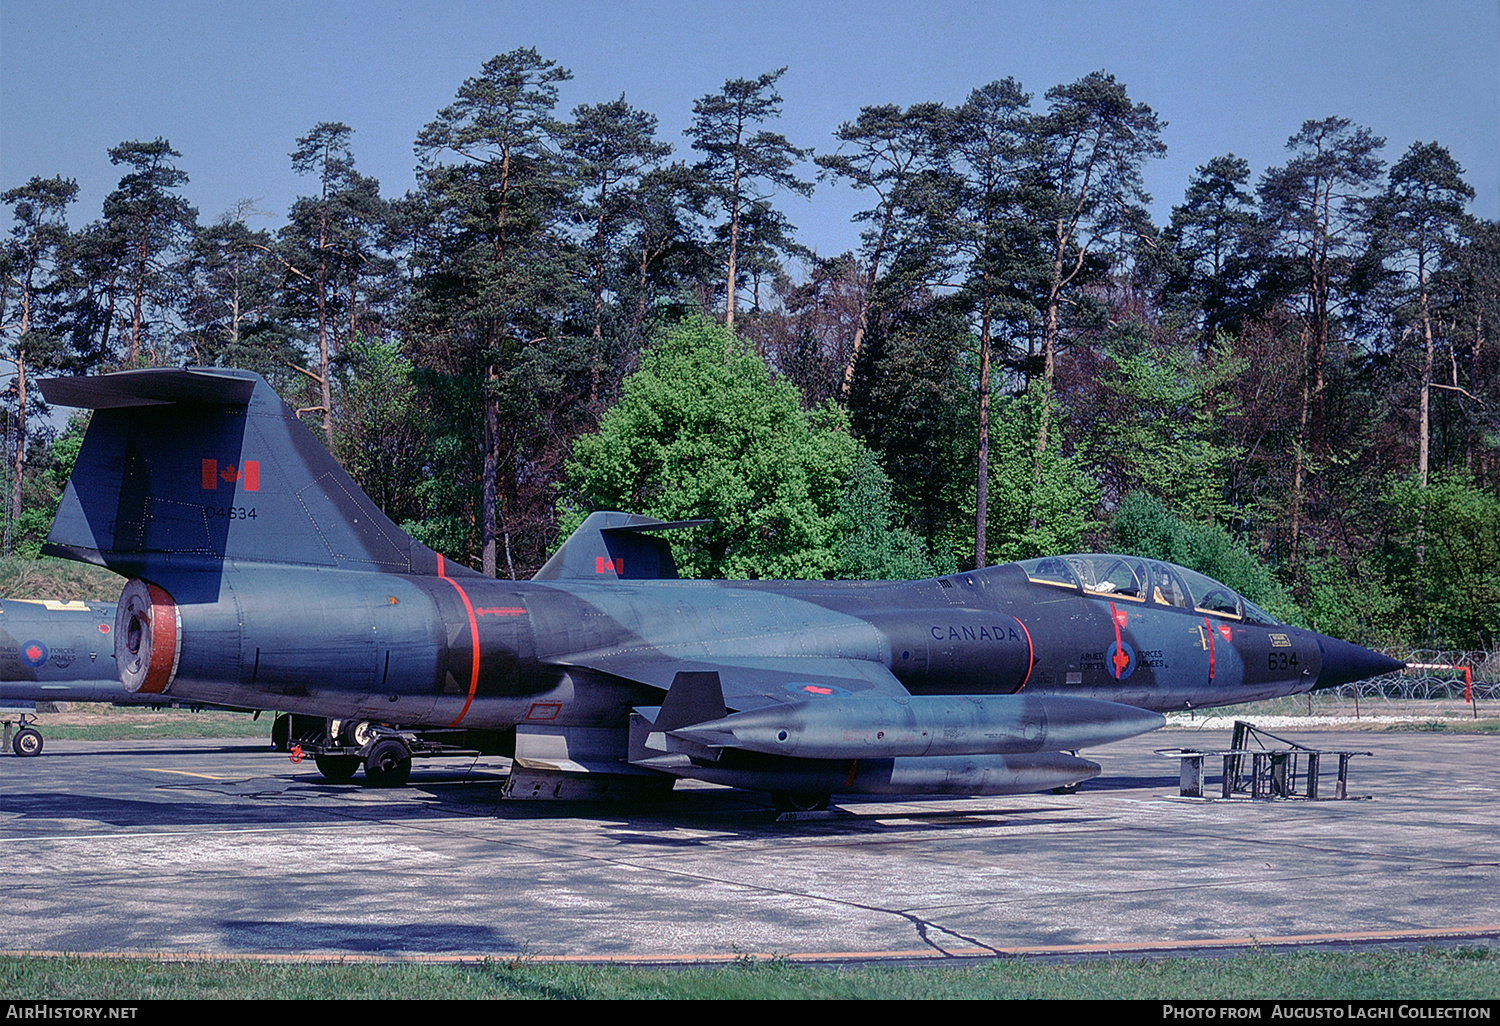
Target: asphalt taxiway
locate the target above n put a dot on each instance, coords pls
(223, 847)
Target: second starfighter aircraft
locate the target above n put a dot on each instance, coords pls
(261, 576)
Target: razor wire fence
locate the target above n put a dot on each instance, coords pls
(1432, 675)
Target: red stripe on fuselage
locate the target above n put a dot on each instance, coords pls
(1121, 660)
(1030, 654)
(473, 633)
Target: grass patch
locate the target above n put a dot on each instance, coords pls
(1434, 974)
(151, 724)
(1453, 714)
(1448, 726)
(63, 579)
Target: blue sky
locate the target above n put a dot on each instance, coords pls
(232, 85)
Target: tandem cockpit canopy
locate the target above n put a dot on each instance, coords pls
(1144, 580)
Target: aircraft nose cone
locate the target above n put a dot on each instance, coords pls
(1344, 662)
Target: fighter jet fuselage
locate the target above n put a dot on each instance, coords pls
(260, 575)
(484, 653)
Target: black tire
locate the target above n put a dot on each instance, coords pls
(1068, 788)
(388, 764)
(27, 742)
(799, 801)
(337, 768)
(281, 732)
(356, 733)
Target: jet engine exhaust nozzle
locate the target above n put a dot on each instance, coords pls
(148, 629)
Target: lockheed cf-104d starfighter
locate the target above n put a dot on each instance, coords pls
(60, 652)
(57, 652)
(261, 576)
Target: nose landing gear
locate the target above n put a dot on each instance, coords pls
(25, 742)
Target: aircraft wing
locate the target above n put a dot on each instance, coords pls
(755, 683)
(838, 709)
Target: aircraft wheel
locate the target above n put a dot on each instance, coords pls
(356, 733)
(27, 742)
(1068, 788)
(337, 768)
(799, 801)
(388, 764)
(281, 732)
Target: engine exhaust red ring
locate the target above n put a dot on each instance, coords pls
(146, 614)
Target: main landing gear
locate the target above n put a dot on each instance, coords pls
(340, 747)
(797, 801)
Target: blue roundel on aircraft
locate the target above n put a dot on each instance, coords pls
(804, 687)
(1121, 660)
(33, 653)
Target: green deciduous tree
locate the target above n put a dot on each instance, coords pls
(1037, 505)
(1442, 553)
(872, 545)
(702, 430)
(381, 439)
(1160, 425)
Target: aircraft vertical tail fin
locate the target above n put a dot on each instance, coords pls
(615, 546)
(185, 471)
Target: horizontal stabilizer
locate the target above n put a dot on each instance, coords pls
(151, 387)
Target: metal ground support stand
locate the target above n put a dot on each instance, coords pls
(1273, 772)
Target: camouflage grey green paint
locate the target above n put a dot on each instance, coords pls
(263, 576)
(58, 652)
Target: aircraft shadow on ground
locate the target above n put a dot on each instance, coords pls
(362, 938)
(305, 799)
(189, 746)
(1135, 783)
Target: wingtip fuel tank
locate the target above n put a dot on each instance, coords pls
(924, 725)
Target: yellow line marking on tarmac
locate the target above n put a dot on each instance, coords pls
(800, 956)
(185, 773)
